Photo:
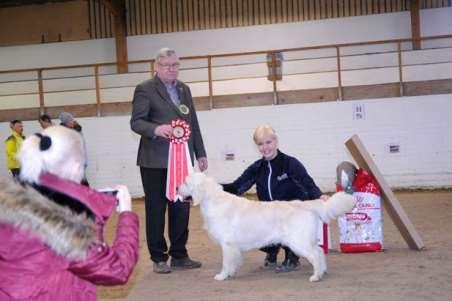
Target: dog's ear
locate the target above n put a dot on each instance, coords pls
(196, 181)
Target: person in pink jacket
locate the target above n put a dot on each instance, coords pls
(51, 226)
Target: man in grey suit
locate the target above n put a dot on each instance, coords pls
(155, 103)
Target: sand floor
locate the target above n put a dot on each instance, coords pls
(398, 273)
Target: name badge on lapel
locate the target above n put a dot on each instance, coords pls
(184, 109)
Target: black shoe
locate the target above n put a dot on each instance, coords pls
(288, 266)
(185, 263)
(161, 268)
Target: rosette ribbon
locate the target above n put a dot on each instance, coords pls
(179, 160)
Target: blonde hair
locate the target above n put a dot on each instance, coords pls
(264, 131)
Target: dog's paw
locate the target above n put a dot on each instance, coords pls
(314, 278)
(221, 276)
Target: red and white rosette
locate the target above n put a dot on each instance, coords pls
(179, 160)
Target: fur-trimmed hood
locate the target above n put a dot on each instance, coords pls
(65, 232)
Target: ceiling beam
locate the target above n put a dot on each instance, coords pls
(11, 3)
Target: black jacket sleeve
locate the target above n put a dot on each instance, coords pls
(303, 180)
(243, 183)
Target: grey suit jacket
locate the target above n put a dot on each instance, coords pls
(151, 107)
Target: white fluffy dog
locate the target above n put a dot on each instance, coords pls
(238, 224)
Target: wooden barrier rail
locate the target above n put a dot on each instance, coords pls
(209, 65)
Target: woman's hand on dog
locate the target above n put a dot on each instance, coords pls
(324, 197)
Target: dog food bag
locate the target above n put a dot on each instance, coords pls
(362, 229)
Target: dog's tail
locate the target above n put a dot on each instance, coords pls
(338, 204)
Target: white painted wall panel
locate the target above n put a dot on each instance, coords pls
(240, 86)
(239, 59)
(70, 98)
(436, 21)
(426, 56)
(243, 71)
(427, 72)
(121, 80)
(229, 40)
(65, 84)
(308, 81)
(18, 76)
(69, 72)
(117, 94)
(315, 133)
(18, 87)
(199, 89)
(194, 75)
(57, 54)
(370, 49)
(277, 36)
(370, 76)
(310, 65)
(369, 61)
(19, 101)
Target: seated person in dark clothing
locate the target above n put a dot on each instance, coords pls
(278, 177)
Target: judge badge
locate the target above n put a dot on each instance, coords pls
(184, 109)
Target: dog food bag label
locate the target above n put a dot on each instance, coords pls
(362, 229)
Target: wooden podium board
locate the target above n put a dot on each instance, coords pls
(390, 202)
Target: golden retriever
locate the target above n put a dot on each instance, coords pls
(238, 224)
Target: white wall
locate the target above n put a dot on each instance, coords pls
(252, 38)
(315, 133)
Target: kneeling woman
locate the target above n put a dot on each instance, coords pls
(51, 226)
(277, 177)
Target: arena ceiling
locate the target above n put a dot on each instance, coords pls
(9, 3)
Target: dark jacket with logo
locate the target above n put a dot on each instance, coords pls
(284, 178)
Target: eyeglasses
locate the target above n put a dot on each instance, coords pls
(170, 66)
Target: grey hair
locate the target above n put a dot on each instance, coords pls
(164, 52)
